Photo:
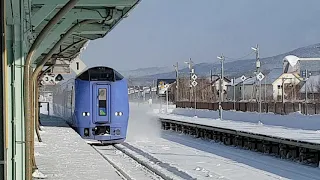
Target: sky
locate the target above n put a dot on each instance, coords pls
(160, 33)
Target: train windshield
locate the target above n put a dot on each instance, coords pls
(101, 74)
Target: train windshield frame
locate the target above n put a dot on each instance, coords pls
(100, 74)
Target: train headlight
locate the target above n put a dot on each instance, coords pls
(118, 113)
(117, 132)
(85, 114)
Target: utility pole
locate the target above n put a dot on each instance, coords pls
(190, 71)
(282, 93)
(242, 90)
(221, 58)
(258, 65)
(167, 98)
(305, 86)
(212, 94)
(265, 89)
(234, 94)
(152, 88)
(177, 81)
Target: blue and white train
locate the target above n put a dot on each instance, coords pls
(96, 104)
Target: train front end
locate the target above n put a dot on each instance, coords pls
(101, 105)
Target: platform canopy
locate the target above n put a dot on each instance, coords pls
(106, 14)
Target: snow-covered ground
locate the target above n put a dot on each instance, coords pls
(295, 120)
(206, 160)
(192, 158)
(254, 128)
(63, 154)
(294, 126)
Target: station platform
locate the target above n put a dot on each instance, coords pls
(279, 132)
(63, 154)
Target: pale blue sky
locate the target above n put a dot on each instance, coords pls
(162, 32)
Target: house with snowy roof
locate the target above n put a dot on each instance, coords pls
(312, 87)
(215, 81)
(241, 90)
(284, 85)
(271, 87)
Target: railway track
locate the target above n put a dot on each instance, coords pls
(131, 165)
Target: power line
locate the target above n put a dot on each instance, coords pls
(239, 58)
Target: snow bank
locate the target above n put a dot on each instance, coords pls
(295, 120)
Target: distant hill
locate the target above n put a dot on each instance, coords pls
(145, 71)
(232, 69)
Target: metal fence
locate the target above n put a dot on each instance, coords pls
(274, 107)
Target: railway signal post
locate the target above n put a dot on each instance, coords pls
(260, 77)
(194, 83)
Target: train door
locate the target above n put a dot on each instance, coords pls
(101, 104)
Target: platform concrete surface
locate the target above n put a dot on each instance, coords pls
(64, 155)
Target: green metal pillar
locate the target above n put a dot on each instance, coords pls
(3, 132)
(16, 49)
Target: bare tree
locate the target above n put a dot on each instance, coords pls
(204, 91)
(291, 91)
(310, 89)
(317, 90)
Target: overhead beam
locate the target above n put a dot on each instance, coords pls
(70, 18)
(89, 36)
(42, 14)
(92, 29)
(53, 36)
(82, 37)
(72, 45)
(87, 2)
(100, 13)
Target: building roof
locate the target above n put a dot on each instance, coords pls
(313, 85)
(272, 76)
(250, 81)
(236, 82)
(216, 78)
(293, 60)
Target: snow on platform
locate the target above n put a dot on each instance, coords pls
(63, 154)
(311, 136)
(293, 120)
(207, 160)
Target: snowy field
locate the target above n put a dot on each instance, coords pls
(203, 159)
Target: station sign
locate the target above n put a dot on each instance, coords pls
(77, 65)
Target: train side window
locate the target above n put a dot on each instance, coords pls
(102, 97)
